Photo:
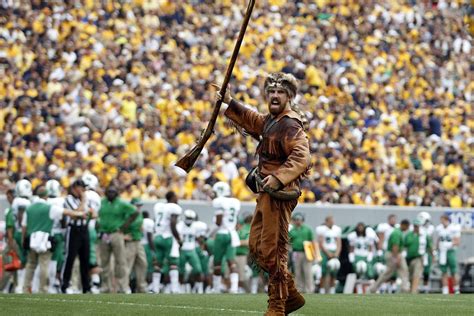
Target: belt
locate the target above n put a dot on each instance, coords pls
(278, 194)
(77, 226)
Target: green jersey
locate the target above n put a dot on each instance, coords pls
(9, 219)
(298, 235)
(396, 238)
(112, 215)
(244, 233)
(417, 244)
(40, 216)
(135, 228)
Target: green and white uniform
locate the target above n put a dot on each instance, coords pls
(148, 226)
(93, 201)
(188, 252)
(40, 217)
(19, 204)
(57, 259)
(447, 251)
(226, 239)
(416, 245)
(203, 254)
(386, 230)
(363, 250)
(167, 248)
(427, 259)
(330, 236)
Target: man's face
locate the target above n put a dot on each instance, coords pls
(77, 190)
(444, 221)
(111, 193)
(392, 220)
(404, 227)
(277, 100)
(10, 197)
(329, 222)
(297, 221)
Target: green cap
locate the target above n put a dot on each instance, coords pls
(298, 215)
(136, 201)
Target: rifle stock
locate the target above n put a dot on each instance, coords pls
(187, 162)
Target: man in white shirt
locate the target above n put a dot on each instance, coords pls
(329, 238)
(449, 239)
(226, 239)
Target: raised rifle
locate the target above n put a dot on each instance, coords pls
(187, 162)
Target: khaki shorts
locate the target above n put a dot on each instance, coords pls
(416, 268)
(241, 264)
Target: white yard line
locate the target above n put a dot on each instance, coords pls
(58, 300)
(442, 299)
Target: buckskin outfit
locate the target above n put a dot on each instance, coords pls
(283, 152)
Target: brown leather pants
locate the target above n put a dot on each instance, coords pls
(268, 242)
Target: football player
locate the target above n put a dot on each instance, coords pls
(428, 228)
(93, 202)
(329, 239)
(167, 242)
(53, 187)
(449, 239)
(226, 238)
(188, 231)
(361, 252)
(23, 195)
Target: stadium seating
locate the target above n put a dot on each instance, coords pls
(122, 89)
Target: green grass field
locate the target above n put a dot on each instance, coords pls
(210, 305)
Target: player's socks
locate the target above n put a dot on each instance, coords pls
(156, 282)
(174, 280)
(322, 291)
(254, 285)
(394, 288)
(332, 290)
(234, 283)
(217, 283)
(52, 269)
(456, 289)
(359, 289)
(95, 278)
(445, 290)
(199, 287)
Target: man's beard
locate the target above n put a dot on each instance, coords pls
(275, 107)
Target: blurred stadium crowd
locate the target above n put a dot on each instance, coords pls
(122, 89)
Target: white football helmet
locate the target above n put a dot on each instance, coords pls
(380, 268)
(334, 264)
(201, 228)
(54, 188)
(91, 181)
(424, 217)
(361, 267)
(221, 189)
(23, 189)
(190, 214)
(189, 217)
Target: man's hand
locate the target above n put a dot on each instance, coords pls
(227, 97)
(397, 260)
(10, 244)
(272, 183)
